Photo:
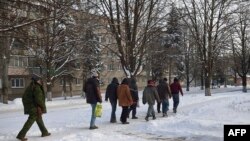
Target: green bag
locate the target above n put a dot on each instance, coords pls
(98, 110)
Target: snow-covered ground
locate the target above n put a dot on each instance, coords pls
(199, 118)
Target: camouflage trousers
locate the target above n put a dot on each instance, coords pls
(32, 118)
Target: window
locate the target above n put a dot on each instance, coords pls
(17, 43)
(78, 82)
(33, 62)
(109, 80)
(101, 82)
(17, 83)
(111, 67)
(103, 40)
(18, 61)
(110, 54)
(61, 82)
(78, 65)
(119, 67)
(107, 40)
(99, 39)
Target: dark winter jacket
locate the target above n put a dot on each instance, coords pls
(111, 91)
(33, 98)
(134, 90)
(92, 90)
(163, 90)
(149, 96)
(176, 88)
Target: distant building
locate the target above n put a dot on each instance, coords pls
(23, 63)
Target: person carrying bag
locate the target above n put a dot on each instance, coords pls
(98, 110)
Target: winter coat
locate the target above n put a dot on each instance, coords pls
(176, 88)
(33, 98)
(150, 94)
(111, 91)
(163, 90)
(134, 90)
(92, 90)
(124, 96)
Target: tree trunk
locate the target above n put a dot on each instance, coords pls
(188, 85)
(207, 83)
(49, 87)
(202, 79)
(5, 64)
(195, 83)
(187, 75)
(244, 83)
(70, 88)
(207, 87)
(5, 83)
(148, 69)
(64, 93)
(225, 83)
(5, 54)
(83, 83)
(170, 70)
(235, 78)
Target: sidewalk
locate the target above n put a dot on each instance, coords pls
(16, 105)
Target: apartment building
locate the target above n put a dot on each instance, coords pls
(23, 63)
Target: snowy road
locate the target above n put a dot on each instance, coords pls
(199, 118)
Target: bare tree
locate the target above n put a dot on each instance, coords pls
(190, 57)
(17, 14)
(14, 17)
(89, 24)
(55, 40)
(206, 21)
(156, 58)
(4, 57)
(51, 33)
(133, 24)
(241, 42)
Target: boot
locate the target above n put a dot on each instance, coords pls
(165, 114)
(125, 122)
(22, 139)
(134, 117)
(113, 121)
(175, 111)
(146, 118)
(45, 134)
(154, 117)
(93, 127)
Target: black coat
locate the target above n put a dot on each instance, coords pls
(134, 90)
(163, 90)
(111, 91)
(91, 90)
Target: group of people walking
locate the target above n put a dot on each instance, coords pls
(161, 93)
(126, 94)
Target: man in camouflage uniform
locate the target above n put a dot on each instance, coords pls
(34, 105)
